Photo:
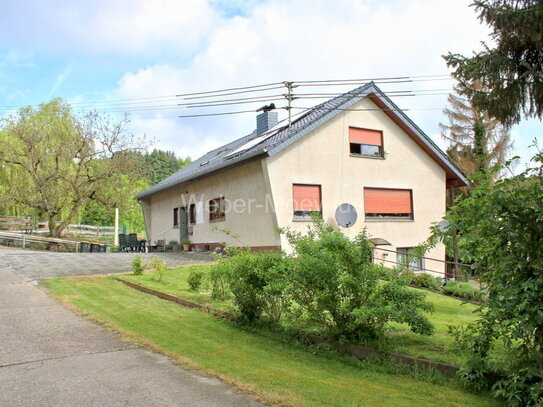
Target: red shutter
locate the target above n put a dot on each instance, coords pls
(387, 201)
(363, 136)
(306, 197)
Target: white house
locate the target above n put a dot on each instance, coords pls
(358, 148)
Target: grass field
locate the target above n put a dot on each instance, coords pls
(256, 362)
(440, 346)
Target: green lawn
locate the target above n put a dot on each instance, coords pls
(259, 363)
(175, 282)
(440, 346)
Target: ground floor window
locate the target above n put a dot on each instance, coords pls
(216, 209)
(192, 214)
(386, 203)
(405, 258)
(175, 217)
(306, 199)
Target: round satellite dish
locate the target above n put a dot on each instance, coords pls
(346, 215)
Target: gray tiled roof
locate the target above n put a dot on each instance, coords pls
(282, 137)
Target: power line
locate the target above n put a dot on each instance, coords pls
(377, 82)
(360, 110)
(216, 114)
(229, 100)
(245, 89)
(233, 93)
(393, 78)
(230, 89)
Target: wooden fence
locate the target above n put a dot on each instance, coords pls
(21, 224)
(81, 230)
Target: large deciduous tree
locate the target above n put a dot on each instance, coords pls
(511, 73)
(61, 160)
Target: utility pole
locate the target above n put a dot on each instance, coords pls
(289, 97)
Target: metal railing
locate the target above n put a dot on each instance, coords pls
(162, 233)
(455, 272)
(25, 238)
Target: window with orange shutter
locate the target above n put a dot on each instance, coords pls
(388, 203)
(365, 142)
(306, 200)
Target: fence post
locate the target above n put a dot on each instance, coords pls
(24, 241)
(116, 228)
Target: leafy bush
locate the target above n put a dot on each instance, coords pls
(501, 225)
(462, 290)
(408, 275)
(425, 280)
(137, 265)
(159, 267)
(387, 273)
(336, 285)
(195, 279)
(172, 242)
(257, 282)
(219, 284)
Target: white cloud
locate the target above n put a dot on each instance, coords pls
(296, 40)
(120, 27)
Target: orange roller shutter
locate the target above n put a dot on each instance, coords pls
(306, 197)
(363, 136)
(387, 201)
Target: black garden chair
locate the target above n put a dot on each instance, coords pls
(123, 244)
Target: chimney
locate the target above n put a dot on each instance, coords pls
(266, 120)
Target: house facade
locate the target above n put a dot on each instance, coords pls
(357, 149)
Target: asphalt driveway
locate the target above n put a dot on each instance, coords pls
(36, 265)
(49, 356)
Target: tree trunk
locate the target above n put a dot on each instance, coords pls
(480, 147)
(52, 222)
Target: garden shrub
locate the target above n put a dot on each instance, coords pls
(338, 288)
(425, 280)
(462, 290)
(219, 284)
(387, 273)
(257, 282)
(159, 267)
(137, 265)
(408, 275)
(195, 279)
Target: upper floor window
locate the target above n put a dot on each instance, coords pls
(383, 203)
(216, 209)
(306, 199)
(366, 143)
(175, 217)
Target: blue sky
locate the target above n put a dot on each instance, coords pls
(101, 51)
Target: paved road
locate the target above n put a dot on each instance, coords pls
(36, 265)
(49, 356)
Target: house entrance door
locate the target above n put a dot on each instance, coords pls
(183, 224)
